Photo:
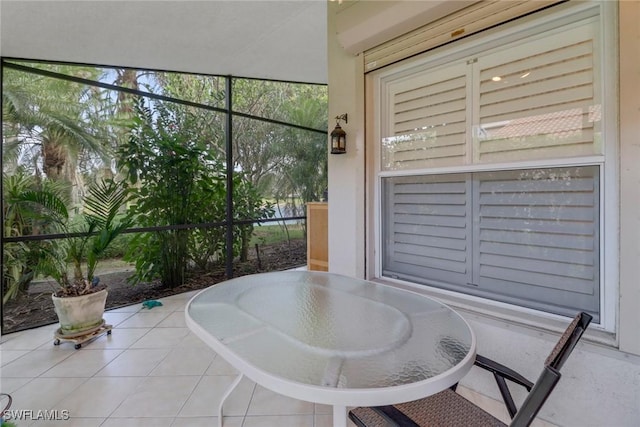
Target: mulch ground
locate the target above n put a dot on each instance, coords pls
(36, 309)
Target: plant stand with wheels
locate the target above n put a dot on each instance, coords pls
(79, 339)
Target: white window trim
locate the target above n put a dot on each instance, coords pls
(560, 15)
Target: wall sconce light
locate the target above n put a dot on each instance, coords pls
(339, 137)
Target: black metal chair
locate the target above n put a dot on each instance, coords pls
(448, 408)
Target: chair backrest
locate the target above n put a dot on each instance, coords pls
(568, 341)
(551, 373)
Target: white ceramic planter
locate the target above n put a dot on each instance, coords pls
(79, 315)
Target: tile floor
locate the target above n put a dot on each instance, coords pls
(151, 371)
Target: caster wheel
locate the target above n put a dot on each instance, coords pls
(77, 346)
(56, 342)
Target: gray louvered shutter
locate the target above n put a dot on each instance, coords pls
(527, 237)
(426, 229)
(537, 237)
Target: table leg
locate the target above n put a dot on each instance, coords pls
(339, 416)
(233, 385)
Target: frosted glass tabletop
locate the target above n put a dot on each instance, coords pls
(333, 339)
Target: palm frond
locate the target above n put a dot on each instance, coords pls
(104, 201)
(49, 201)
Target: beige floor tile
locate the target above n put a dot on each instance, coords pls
(189, 295)
(35, 362)
(205, 399)
(120, 338)
(10, 385)
(114, 319)
(178, 297)
(134, 362)
(126, 309)
(29, 339)
(266, 402)
(219, 366)
(324, 420)
(279, 421)
(169, 305)
(45, 393)
(174, 320)
(157, 397)
(162, 338)
(185, 361)
(139, 422)
(146, 319)
(323, 409)
(207, 422)
(83, 363)
(192, 340)
(7, 356)
(494, 407)
(99, 397)
(72, 422)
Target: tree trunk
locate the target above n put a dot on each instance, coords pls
(54, 158)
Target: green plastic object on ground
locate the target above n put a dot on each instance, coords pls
(151, 303)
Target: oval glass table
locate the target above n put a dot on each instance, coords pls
(332, 339)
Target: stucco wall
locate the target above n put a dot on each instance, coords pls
(600, 386)
(346, 171)
(601, 383)
(629, 69)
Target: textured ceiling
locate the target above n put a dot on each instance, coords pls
(281, 40)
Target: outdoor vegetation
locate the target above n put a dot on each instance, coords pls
(129, 171)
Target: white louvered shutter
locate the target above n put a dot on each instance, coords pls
(427, 120)
(537, 100)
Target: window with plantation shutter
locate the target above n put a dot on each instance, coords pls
(491, 169)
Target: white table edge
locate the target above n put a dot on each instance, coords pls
(336, 397)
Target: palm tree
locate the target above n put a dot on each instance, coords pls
(29, 208)
(48, 123)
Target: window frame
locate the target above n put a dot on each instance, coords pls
(606, 84)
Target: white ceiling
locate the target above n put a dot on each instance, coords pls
(281, 40)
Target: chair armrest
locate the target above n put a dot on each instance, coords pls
(502, 371)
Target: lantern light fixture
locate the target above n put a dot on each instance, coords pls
(339, 136)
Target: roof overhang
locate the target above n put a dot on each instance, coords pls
(280, 40)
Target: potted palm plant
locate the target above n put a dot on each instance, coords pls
(80, 300)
